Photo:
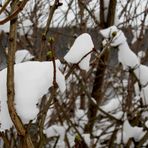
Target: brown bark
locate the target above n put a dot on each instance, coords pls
(14, 13)
(83, 27)
(10, 80)
(97, 92)
(44, 35)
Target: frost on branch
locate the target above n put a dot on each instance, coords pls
(80, 48)
(32, 81)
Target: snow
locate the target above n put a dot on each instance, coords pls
(146, 123)
(23, 55)
(141, 54)
(132, 132)
(118, 115)
(144, 95)
(57, 130)
(129, 132)
(80, 48)
(4, 27)
(32, 81)
(141, 73)
(87, 139)
(127, 57)
(118, 39)
(112, 104)
(107, 33)
(81, 119)
(137, 90)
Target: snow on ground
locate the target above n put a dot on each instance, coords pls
(32, 81)
(81, 47)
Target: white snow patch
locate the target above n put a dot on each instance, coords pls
(132, 132)
(118, 115)
(141, 54)
(80, 48)
(4, 27)
(141, 73)
(23, 56)
(87, 139)
(32, 81)
(107, 33)
(81, 117)
(125, 55)
(144, 95)
(137, 90)
(112, 104)
(146, 123)
(55, 130)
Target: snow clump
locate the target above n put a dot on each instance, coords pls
(80, 48)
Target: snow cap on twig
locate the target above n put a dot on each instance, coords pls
(80, 48)
(117, 37)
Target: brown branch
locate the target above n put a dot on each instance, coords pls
(124, 8)
(143, 140)
(61, 108)
(44, 35)
(10, 77)
(4, 6)
(90, 13)
(132, 18)
(97, 91)
(14, 13)
(43, 113)
(111, 13)
(5, 139)
(102, 19)
(10, 81)
(75, 65)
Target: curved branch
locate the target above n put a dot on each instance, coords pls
(4, 6)
(10, 83)
(14, 14)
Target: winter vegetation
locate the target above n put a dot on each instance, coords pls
(84, 88)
